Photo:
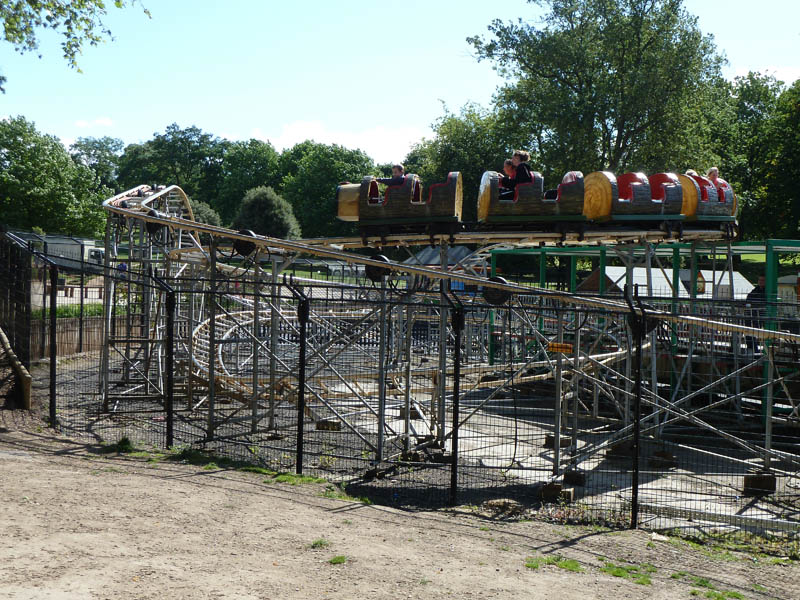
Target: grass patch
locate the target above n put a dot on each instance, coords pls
(338, 560)
(212, 466)
(702, 582)
(295, 479)
(483, 528)
(568, 564)
(679, 575)
(337, 493)
(759, 588)
(319, 543)
(123, 446)
(724, 546)
(637, 573)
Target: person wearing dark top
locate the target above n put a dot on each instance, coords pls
(522, 174)
(756, 301)
(397, 177)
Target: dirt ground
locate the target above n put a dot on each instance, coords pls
(76, 523)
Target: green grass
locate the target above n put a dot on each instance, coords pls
(294, 479)
(319, 543)
(568, 564)
(483, 528)
(759, 588)
(637, 573)
(338, 560)
(73, 311)
(123, 446)
(337, 493)
(702, 582)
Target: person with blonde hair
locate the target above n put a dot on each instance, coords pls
(713, 174)
(691, 173)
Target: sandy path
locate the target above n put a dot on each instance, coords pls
(77, 524)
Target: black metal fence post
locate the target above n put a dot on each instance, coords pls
(169, 357)
(53, 342)
(303, 310)
(458, 328)
(637, 326)
(80, 315)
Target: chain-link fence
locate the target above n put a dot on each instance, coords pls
(417, 396)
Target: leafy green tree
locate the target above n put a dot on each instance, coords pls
(744, 140)
(779, 211)
(77, 22)
(42, 186)
(599, 80)
(245, 165)
(101, 155)
(203, 213)
(266, 213)
(310, 186)
(187, 157)
(472, 142)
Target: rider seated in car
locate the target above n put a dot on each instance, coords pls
(397, 177)
(522, 173)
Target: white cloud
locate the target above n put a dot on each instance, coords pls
(98, 122)
(382, 143)
(786, 73)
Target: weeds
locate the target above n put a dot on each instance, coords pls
(123, 446)
(637, 573)
(337, 493)
(338, 560)
(319, 543)
(568, 564)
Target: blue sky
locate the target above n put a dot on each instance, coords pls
(362, 74)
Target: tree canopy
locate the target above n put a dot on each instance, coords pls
(601, 80)
(78, 22)
(42, 186)
(101, 155)
(311, 186)
(266, 213)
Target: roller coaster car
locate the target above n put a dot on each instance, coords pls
(577, 199)
(402, 208)
(705, 201)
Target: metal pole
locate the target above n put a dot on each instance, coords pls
(257, 334)
(53, 342)
(443, 258)
(80, 316)
(409, 339)
(557, 412)
(381, 376)
(274, 315)
(169, 366)
(639, 322)
(212, 333)
(458, 327)
(303, 310)
(768, 408)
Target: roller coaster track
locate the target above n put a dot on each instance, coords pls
(174, 213)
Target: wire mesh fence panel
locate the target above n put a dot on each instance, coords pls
(417, 396)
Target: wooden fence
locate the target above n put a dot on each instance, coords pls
(67, 335)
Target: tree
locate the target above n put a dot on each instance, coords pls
(779, 210)
(188, 158)
(310, 187)
(601, 80)
(245, 165)
(471, 142)
(101, 155)
(42, 186)
(266, 213)
(77, 21)
(203, 213)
